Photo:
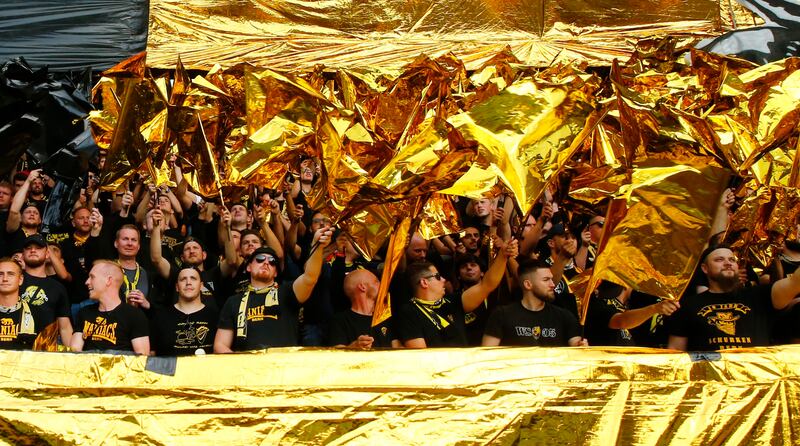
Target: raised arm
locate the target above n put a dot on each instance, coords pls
(784, 290)
(156, 256)
(231, 262)
(304, 285)
(476, 294)
(14, 216)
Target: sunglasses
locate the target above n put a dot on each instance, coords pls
(266, 257)
(436, 276)
(598, 223)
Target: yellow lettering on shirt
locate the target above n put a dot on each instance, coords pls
(100, 330)
(8, 329)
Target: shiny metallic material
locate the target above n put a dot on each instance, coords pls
(591, 396)
(292, 34)
(649, 249)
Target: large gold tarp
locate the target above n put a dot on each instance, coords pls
(380, 34)
(536, 396)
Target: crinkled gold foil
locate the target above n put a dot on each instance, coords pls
(439, 217)
(592, 396)
(394, 252)
(293, 34)
(656, 246)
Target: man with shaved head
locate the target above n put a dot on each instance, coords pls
(353, 328)
(113, 324)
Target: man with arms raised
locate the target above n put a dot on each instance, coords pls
(431, 319)
(19, 322)
(265, 314)
(727, 316)
(534, 321)
(113, 324)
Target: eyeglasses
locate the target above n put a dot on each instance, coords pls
(260, 258)
(470, 235)
(436, 276)
(320, 220)
(600, 224)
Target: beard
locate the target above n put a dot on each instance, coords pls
(34, 263)
(548, 297)
(725, 281)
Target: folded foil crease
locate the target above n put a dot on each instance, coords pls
(292, 34)
(590, 396)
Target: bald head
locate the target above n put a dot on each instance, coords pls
(105, 279)
(361, 283)
(417, 250)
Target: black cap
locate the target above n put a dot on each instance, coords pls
(711, 249)
(463, 259)
(36, 239)
(193, 239)
(262, 250)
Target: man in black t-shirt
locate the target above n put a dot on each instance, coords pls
(353, 328)
(188, 327)
(113, 324)
(19, 322)
(265, 315)
(609, 319)
(534, 321)
(431, 319)
(726, 315)
(38, 290)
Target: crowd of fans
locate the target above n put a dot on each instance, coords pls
(158, 270)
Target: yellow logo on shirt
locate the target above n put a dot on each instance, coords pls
(724, 316)
(101, 330)
(8, 329)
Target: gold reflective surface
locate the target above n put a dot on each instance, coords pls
(588, 396)
(291, 34)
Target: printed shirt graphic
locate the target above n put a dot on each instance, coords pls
(271, 319)
(10, 336)
(720, 321)
(47, 294)
(174, 333)
(111, 330)
(515, 325)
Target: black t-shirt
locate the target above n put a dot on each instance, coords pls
(347, 326)
(515, 325)
(271, 318)
(12, 333)
(175, 333)
(74, 254)
(441, 324)
(46, 293)
(111, 330)
(600, 312)
(720, 321)
(653, 332)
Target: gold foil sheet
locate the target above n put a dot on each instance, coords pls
(292, 34)
(649, 249)
(591, 396)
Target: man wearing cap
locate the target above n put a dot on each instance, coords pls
(469, 269)
(112, 324)
(38, 290)
(726, 315)
(193, 254)
(265, 315)
(19, 322)
(432, 318)
(534, 321)
(562, 246)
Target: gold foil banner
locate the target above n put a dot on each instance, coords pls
(651, 249)
(381, 34)
(589, 396)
